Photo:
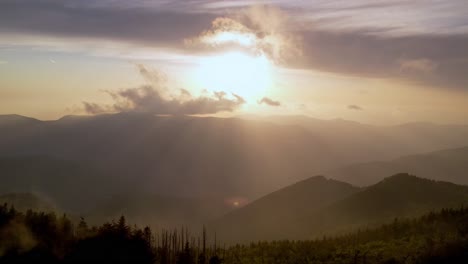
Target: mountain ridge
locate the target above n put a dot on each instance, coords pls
(447, 164)
(400, 195)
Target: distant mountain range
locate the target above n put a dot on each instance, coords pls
(106, 163)
(446, 165)
(318, 206)
(160, 212)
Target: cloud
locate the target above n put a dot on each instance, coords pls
(355, 107)
(260, 30)
(116, 21)
(337, 37)
(3, 62)
(270, 102)
(365, 55)
(142, 20)
(419, 65)
(364, 52)
(156, 98)
(93, 108)
(390, 17)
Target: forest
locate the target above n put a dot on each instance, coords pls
(44, 237)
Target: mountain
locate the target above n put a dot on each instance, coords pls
(16, 119)
(265, 217)
(370, 143)
(71, 185)
(159, 211)
(81, 161)
(25, 201)
(446, 165)
(171, 156)
(401, 195)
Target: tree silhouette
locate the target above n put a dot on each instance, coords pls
(438, 237)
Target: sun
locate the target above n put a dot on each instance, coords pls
(236, 72)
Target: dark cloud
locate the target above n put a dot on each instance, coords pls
(87, 19)
(184, 92)
(269, 101)
(156, 98)
(355, 107)
(431, 60)
(93, 108)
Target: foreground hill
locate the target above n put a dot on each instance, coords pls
(446, 165)
(266, 217)
(401, 195)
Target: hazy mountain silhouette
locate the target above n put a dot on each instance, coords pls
(14, 120)
(70, 185)
(446, 165)
(159, 211)
(369, 142)
(135, 153)
(401, 195)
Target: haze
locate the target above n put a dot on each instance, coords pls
(237, 132)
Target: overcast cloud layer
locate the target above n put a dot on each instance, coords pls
(416, 41)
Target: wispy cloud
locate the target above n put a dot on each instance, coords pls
(94, 108)
(419, 65)
(269, 101)
(355, 107)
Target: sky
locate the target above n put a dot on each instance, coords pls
(377, 62)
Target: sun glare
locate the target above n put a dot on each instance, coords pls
(236, 72)
(247, 40)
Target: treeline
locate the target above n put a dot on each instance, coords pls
(38, 237)
(440, 237)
